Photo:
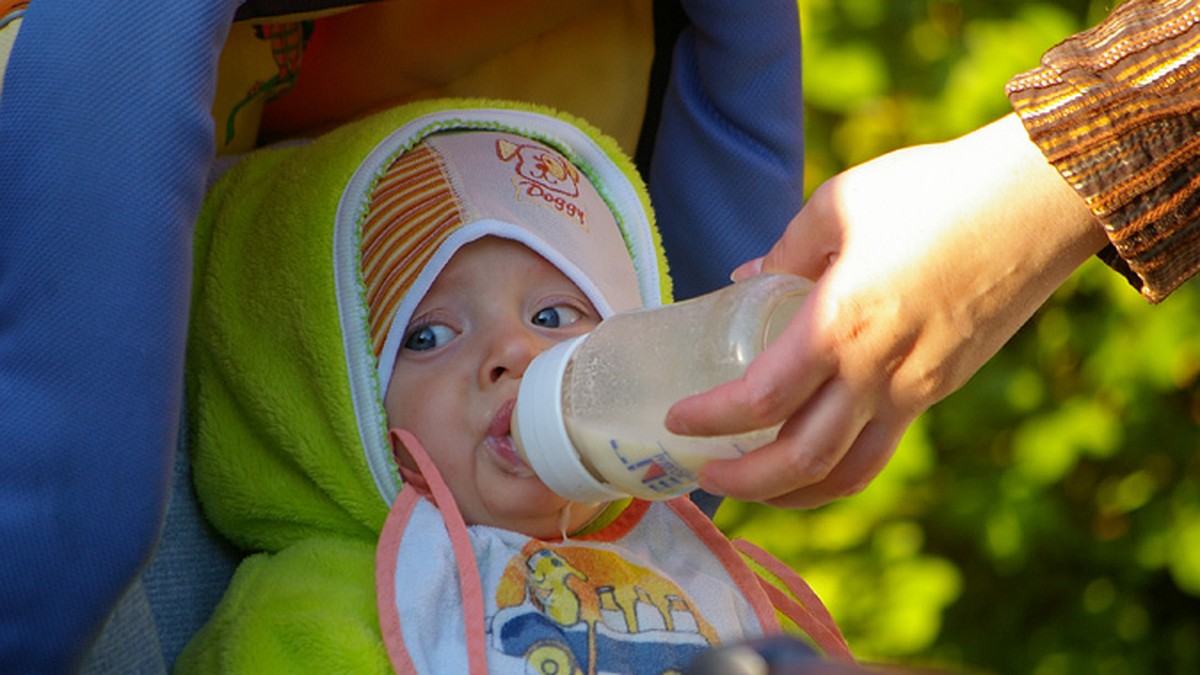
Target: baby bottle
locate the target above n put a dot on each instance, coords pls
(590, 410)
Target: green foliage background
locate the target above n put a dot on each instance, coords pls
(1044, 519)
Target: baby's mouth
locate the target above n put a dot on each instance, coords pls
(500, 443)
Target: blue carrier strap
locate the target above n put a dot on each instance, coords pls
(105, 141)
(727, 170)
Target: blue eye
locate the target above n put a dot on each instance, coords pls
(556, 316)
(425, 338)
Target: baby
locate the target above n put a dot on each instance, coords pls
(365, 307)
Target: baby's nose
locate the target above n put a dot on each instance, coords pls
(512, 353)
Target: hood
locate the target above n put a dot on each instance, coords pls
(289, 437)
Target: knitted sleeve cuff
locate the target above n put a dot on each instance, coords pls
(1116, 109)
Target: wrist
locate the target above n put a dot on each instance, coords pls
(1040, 208)
(1018, 232)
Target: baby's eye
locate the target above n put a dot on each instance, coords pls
(556, 316)
(431, 336)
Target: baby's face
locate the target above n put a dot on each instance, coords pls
(494, 307)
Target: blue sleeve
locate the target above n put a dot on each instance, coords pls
(105, 141)
(728, 164)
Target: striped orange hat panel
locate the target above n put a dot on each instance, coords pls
(413, 210)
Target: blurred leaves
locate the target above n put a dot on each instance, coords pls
(1046, 517)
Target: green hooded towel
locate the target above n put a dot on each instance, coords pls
(290, 451)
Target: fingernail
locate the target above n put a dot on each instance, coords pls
(708, 486)
(673, 424)
(746, 270)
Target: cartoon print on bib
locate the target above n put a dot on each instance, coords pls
(618, 600)
(575, 608)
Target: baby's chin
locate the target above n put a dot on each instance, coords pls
(549, 517)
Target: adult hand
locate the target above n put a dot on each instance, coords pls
(927, 261)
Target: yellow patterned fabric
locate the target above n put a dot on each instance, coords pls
(300, 74)
(11, 14)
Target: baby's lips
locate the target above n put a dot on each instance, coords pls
(505, 451)
(500, 441)
(501, 424)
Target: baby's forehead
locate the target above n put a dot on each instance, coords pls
(488, 257)
(491, 251)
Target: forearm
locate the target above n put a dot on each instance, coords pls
(105, 139)
(1116, 110)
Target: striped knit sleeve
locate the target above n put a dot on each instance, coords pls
(1116, 110)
